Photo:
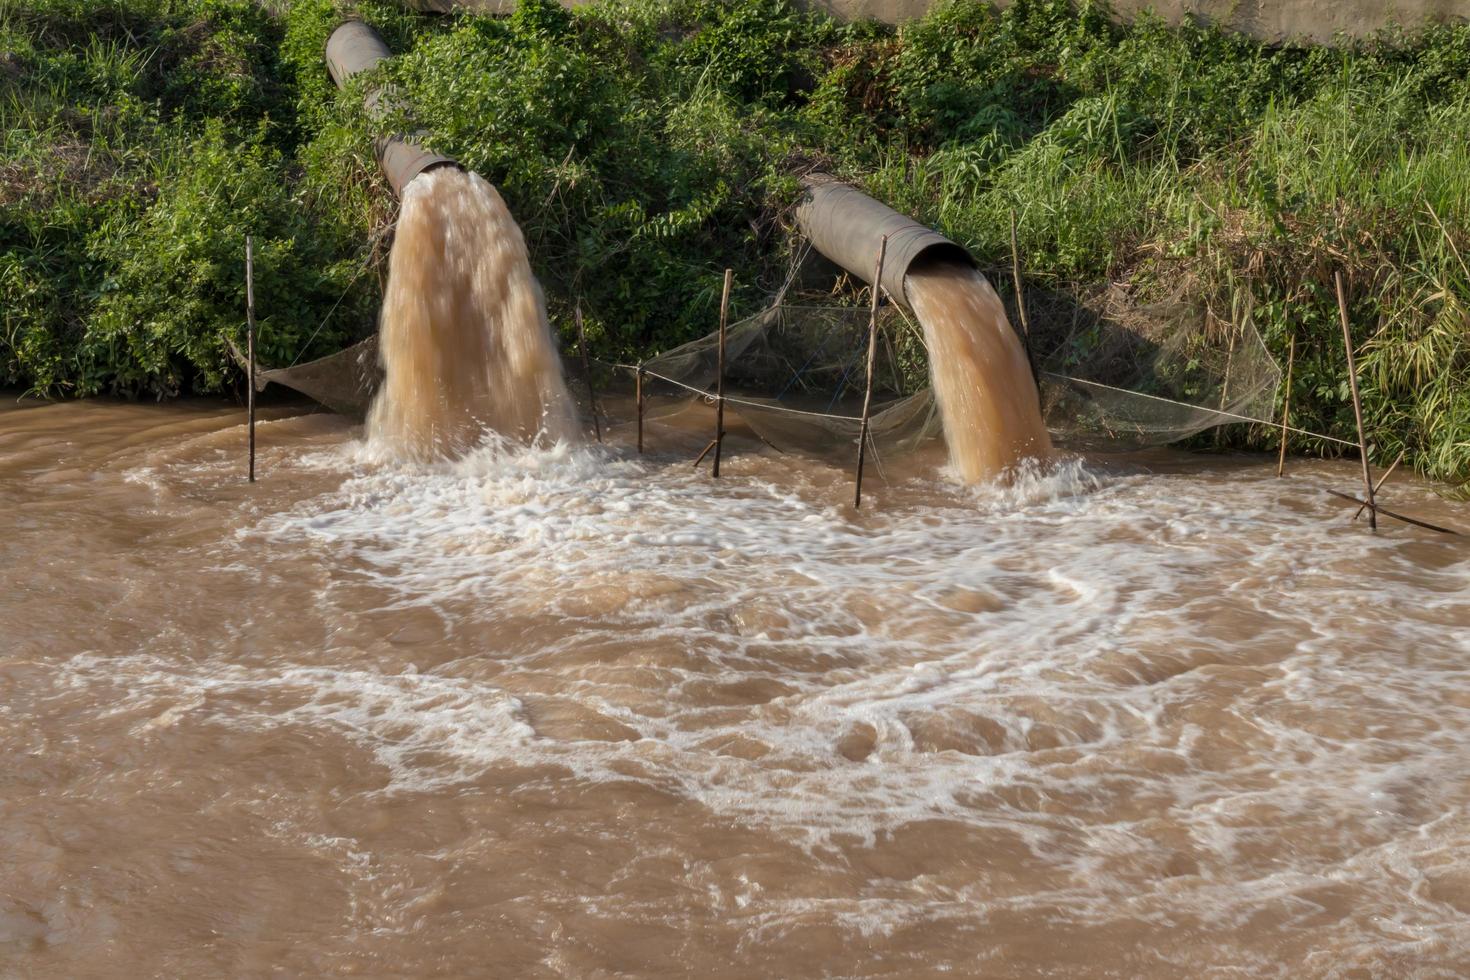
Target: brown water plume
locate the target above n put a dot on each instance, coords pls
(464, 339)
(982, 380)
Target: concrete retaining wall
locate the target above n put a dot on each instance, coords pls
(1274, 21)
(1269, 20)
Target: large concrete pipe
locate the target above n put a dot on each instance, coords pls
(846, 226)
(355, 47)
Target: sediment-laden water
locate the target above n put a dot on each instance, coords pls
(987, 398)
(465, 344)
(573, 712)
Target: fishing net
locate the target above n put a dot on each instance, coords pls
(344, 382)
(796, 375)
(1115, 374)
(1118, 374)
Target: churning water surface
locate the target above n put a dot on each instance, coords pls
(573, 711)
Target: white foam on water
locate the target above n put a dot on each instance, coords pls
(1142, 682)
(437, 730)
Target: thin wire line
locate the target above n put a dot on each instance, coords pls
(773, 407)
(307, 346)
(1202, 408)
(733, 400)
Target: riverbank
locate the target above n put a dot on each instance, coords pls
(644, 147)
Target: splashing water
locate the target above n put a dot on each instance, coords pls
(464, 338)
(982, 380)
(578, 711)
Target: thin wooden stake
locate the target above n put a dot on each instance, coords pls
(1347, 341)
(1381, 481)
(250, 343)
(1286, 405)
(1398, 517)
(638, 395)
(587, 368)
(1021, 303)
(703, 453)
(857, 493)
(720, 382)
(1225, 384)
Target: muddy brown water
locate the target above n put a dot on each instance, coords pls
(576, 712)
(988, 402)
(463, 336)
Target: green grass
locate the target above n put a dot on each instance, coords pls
(644, 146)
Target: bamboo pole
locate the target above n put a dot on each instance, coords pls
(1286, 405)
(1398, 517)
(250, 344)
(1021, 303)
(638, 396)
(587, 369)
(1347, 340)
(1225, 384)
(857, 493)
(1381, 481)
(720, 381)
(703, 453)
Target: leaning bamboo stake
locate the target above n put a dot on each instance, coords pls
(720, 381)
(250, 343)
(703, 453)
(638, 396)
(1347, 340)
(587, 369)
(857, 494)
(1021, 303)
(1286, 405)
(1398, 517)
(1381, 481)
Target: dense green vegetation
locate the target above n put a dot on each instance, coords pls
(646, 144)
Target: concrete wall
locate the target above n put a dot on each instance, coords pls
(1269, 20)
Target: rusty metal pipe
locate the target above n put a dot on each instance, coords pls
(355, 47)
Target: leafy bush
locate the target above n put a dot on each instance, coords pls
(143, 139)
(175, 286)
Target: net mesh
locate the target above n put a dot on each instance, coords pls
(1115, 374)
(796, 374)
(1118, 374)
(344, 382)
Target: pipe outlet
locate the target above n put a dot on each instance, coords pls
(846, 226)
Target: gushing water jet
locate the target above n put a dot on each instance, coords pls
(981, 375)
(464, 341)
